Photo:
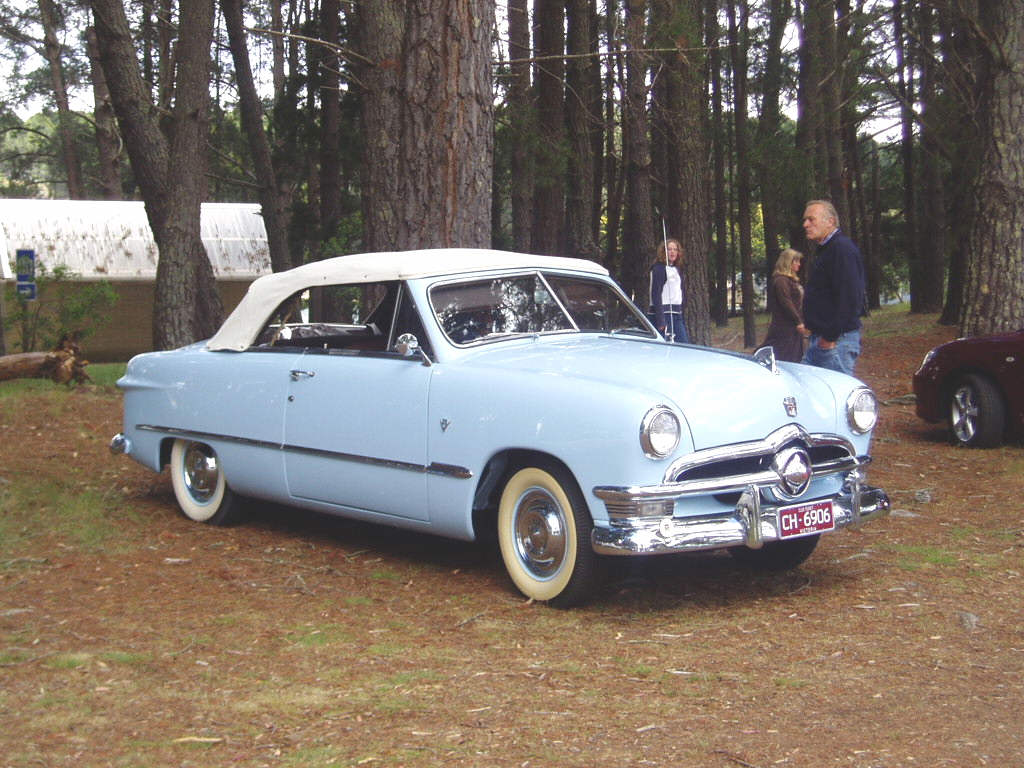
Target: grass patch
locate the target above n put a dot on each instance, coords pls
(897, 320)
(81, 517)
(12, 657)
(639, 670)
(315, 637)
(101, 375)
(126, 658)
(791, 683)
(105, 375)
(914, 558)
(386, 649)
(405, 679)
(84, 516)
(312, 756)
(67, 660)
(14, 389)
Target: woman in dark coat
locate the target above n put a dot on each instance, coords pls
(785, 298)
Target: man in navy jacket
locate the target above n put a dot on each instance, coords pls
(834, 297)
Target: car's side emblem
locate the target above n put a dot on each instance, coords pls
(790, 405)
(444, 425)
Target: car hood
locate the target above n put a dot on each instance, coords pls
(724, 396)
(993, 343)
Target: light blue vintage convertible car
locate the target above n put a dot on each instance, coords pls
(462, 392)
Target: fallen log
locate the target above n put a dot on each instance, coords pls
(62, 365)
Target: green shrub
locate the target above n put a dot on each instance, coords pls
(65, 308)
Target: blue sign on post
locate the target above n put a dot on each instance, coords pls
(25, 266)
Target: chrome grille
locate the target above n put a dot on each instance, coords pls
(824, 458)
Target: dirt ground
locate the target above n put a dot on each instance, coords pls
(130, 636)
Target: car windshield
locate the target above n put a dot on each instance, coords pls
(481, 310)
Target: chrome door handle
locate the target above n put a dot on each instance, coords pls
(296, 374)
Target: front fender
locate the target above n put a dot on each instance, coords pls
(475, 414)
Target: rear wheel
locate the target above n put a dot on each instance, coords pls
(977, 414)
(200, 486)
(544, 532)
(776, 555)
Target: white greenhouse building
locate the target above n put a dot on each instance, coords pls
(112, 241)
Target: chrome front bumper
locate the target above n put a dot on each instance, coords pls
(751, 523)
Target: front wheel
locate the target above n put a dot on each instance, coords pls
(544, 532)
(200, 486)
(776, 555)
(977, 415)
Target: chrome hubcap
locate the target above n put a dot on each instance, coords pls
(200, 472)
(540, 534)
(964, 413)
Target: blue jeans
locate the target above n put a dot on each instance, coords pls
(842, 357)
(675, 328)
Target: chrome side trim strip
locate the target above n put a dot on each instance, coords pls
(434, 468)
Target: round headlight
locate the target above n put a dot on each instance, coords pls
(659, 432)
(862, 410)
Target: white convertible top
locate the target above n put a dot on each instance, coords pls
(265, 294)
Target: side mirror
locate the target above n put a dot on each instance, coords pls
(407, 345)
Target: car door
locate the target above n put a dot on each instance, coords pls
(355, 431)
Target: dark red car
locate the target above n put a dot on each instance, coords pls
(976, 385)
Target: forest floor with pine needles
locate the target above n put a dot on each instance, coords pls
(130, 636)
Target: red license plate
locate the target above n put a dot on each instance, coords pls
(805, 519)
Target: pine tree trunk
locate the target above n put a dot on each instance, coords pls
(681, 126)
(549, 81)
(768, 137)
(378, 33)
(932, 253)
(639, 241)
(107, 140)
(580, 176)
(521, 119)
(738, 47)
(187, 306)
(428, 122)
(51, 49)
(994, 294)
(720, 298)
(274, 207)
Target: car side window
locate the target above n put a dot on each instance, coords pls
(356, 317)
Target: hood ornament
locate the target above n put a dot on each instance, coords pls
(789, 403)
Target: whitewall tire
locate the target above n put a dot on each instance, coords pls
(544, 532)
(200, 486)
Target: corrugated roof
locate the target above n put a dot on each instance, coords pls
(100, 239)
